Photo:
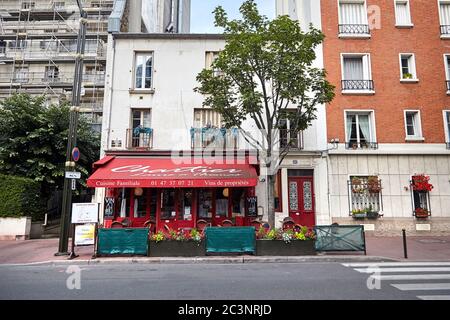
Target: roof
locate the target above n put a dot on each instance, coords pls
(178, 36)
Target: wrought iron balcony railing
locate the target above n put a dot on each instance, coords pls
(363, 85)
(214, 138)
(139, 138)
(445, 30)
(361, 145)
(55, 78)
(354, 29)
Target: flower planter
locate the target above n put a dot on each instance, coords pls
(372, 215)
(422, 216)
(359, 215)
(281, 248)
(170, 248)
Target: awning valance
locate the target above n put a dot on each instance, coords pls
(131, 172)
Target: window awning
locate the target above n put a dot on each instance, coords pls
(131, 172)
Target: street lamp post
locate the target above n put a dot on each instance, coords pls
(72, 137)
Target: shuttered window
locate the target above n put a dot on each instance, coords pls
(402, 13)
(207, 118)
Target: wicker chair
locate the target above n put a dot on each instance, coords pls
(227, 223)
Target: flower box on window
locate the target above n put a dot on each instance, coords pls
(421, 213)
(421, 183)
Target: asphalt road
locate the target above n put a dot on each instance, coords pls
(255, 281)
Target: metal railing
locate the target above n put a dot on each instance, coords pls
(214, 138)
(295, 143)
(139, 139)
(49, 78)
(354, 29)
(447, 82)
(361, 145)
(357, 85)
(445, 29)
(365, 195)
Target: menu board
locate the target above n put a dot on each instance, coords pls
(252, 206)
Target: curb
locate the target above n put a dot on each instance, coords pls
(210, 260)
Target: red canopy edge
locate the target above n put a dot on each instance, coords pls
(132, 172)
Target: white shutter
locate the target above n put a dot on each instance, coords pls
(353, 13)
(402, 13)
(445, 14)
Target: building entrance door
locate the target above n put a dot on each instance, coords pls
(301, 200)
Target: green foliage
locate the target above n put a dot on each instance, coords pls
(33, 141)
(19, 197)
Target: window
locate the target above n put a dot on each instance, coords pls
(447, 127)
(51, 73)
(447, 71)
(402, 13)
(168, 204)
(2, 47)
(28, 5)
(353, 18)
(278, 199)
(408, 67)
(356, 73)
(140, 134)
(444, 13)
(360, 130)
(365, 193)
(21, 74)
(18, 44)
(59, 5)
(210, 57)
(413, 125)
(290, 134)
(420, 187)
(143, 70)
(208, 131)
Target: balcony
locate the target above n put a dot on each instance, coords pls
(214, 138)
(361, 145)
(37, 78)
(139, 138)
(358, 86)
(445, 31)
(354, 30)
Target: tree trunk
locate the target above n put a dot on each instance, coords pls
(271, 199)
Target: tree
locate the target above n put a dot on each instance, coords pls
(33, 141)
(266, 76)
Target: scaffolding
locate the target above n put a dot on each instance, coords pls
(38, 50)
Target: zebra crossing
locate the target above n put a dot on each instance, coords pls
(429, 280)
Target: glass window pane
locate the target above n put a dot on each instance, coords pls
(168, 204)
(204, 203)
(221, 203)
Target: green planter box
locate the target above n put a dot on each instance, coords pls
(281, 248)
(126, 241)
(176, 249)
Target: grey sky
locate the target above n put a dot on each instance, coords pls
(202, 19)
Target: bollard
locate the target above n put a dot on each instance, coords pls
(405, 249)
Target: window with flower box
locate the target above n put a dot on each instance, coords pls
(365, 196)
(420, 196)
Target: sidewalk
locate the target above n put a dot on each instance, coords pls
(378, 249)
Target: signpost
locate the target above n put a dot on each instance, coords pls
(75, 154)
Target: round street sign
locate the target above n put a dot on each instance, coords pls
(75, 154)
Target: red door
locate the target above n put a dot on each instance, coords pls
(301, 200)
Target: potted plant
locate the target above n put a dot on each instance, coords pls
(357, 185)
(421, 213)
(421, 182)
(371, 214)
(407, 75)
(177, 244)
(359, 213)
(373, 184)
(298, 241)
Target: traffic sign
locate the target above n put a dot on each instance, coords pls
(74, 184)
(75, 154)
(73, 175)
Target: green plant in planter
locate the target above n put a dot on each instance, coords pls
(359, 213)
(407, 76)
(158, 236)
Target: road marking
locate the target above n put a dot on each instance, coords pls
(434, 297)
(395, 264)
(412, 277)
(422, 286)
(381, 270)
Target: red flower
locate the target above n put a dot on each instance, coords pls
(421, 183)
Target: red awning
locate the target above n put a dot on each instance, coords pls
(131, 172)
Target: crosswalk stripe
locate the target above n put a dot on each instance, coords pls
(382, 270)
(395, 264)
(422, 286)
(412, 277)
(434, 297)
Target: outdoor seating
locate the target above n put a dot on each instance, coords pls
(151, 225)
(116, 224)
(257, 224)
(288, 223)
(202, 224)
